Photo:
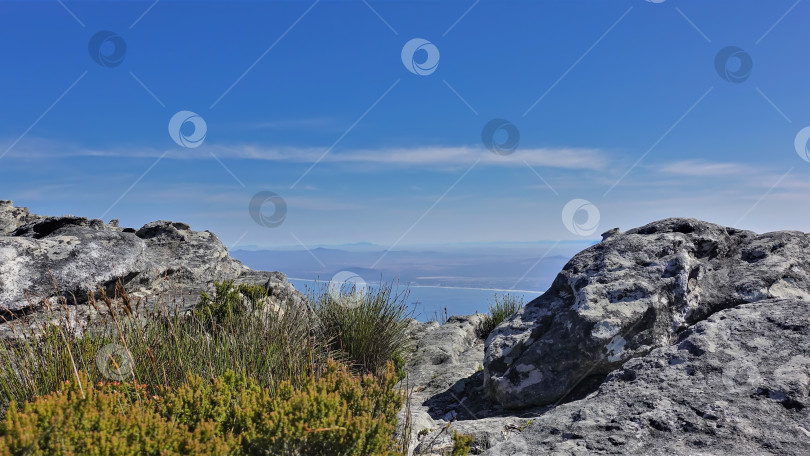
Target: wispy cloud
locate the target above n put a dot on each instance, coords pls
(738, 178)
(563, 158)
(702, 168)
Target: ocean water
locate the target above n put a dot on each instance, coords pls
(428, 302)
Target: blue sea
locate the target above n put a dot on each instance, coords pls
(431, 302)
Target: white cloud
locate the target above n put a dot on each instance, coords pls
(739, 178)
(439, 156)
(702, 168)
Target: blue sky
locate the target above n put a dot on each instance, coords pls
(617, 103)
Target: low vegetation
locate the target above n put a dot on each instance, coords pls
(370, 329)
(118, 340)
(338, 414)
(237, 375)
(503, 307)
(462, 444)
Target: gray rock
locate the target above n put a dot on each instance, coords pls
(12, 217)
(44, 257)
(680, 337)
(610, 233)
(737, 383)
(630, 294)
(445, 378)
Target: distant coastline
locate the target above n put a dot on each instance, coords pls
(499, 290)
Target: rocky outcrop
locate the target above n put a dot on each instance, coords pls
(445, 379)
(737, 383)
(679, 337)
(45, 257)
(630, 294)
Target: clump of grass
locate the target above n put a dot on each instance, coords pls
(160, 347)
(369, 329)
(504, 306)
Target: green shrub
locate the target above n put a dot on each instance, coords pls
(229, 303)
(88, 419)
(337, 414)
(223, 307)
(399, 365)
(340, 414)
(462, 444)
(371, 331)
(503, 307)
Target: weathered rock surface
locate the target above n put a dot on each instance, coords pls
(679, 337)
(631, 293)
(43, 257)
(446, 379)
(737, 383)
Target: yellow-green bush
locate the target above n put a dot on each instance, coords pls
(338, 414)
(87, 419)
(462, 444)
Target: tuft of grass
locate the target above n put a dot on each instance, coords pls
(368, 330)
(504, 307)
(160, 347)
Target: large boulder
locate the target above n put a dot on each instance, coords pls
(630, 294)
(737, 383)
(45, 257)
